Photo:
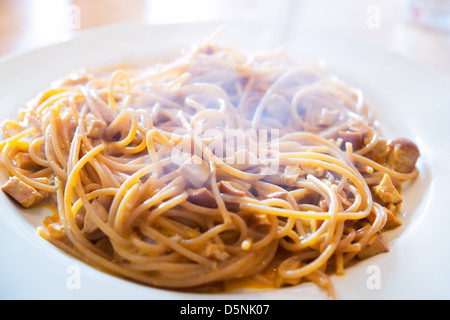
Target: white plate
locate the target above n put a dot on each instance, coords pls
(409, 100)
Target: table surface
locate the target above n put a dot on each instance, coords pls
(26, 24)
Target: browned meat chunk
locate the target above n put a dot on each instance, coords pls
(23, 160)
(387, 192)
(291, 174)
(227, 187)
(392, 220)
(196, 171)
(374, 246)
(90, 227)
(56, 230)
(86, 223)
(403, 155)
(259, 219)
(379, 152)
(278, 195)
(202, 197)
(355, 138)
(23, 193)
(327, 117)
(94, 127)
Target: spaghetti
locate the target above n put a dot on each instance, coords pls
(216, 169)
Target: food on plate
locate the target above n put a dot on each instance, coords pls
(216, 170)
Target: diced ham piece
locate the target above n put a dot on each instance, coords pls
(23, 193)
(202, 197)
(89, 226)
(387, 192)
(291, 174)
(94, 127)
(355, 138)
(327, 117)
(196, 171)
(403, 155)
(259, 219)
(379, 152)
(86, 223)
(23, 160)
(283, 195)
(227, 187)
(374, 246)
(392, 220)
(56, 230)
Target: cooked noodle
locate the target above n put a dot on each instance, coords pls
(297, 203)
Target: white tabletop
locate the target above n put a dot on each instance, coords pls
(25, 24)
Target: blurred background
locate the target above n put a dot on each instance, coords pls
(417, 29)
